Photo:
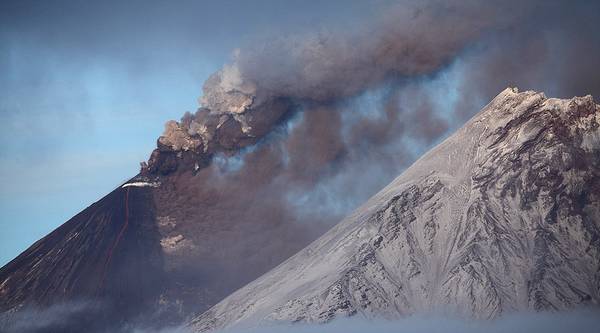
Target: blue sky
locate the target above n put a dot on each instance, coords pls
(86, 88)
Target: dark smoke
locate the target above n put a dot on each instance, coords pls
(361, 105)
(408, 39)
(486, 46)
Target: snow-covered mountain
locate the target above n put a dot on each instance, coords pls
(503, 216)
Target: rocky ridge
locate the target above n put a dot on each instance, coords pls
(503, 216)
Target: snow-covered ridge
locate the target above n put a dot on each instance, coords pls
(503, 216)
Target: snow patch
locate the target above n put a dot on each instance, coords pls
(141, 184)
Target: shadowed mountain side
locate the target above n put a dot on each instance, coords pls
(108, 254)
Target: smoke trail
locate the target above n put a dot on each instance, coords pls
(305, 128)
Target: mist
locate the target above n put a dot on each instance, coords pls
(580, 320)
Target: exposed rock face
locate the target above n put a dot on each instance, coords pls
(503, 216)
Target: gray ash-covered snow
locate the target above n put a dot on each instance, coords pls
(503, 216)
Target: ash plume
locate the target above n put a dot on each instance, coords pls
(298, 130)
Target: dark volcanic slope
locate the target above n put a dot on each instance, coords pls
(171, 241)
(151, 252)
(109, 252)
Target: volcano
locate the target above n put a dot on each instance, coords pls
(167, 243)
(501, 217)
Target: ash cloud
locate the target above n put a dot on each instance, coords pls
(407, 39)
(361, 105)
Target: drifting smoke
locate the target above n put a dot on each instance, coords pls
(408, 40)
(360, 106)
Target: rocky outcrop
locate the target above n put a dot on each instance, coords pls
(503, 216)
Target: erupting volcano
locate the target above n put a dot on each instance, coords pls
(265, 205)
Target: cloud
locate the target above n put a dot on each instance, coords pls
(63, 316)
(59, 317)
(545, 322)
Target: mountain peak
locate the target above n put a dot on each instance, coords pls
(500, 217)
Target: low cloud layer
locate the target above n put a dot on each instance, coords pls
(59, 317)
(581, 321)
(578, 321)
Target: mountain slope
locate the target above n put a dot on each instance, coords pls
(502, 216)
(108, 253)
(170, 241)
